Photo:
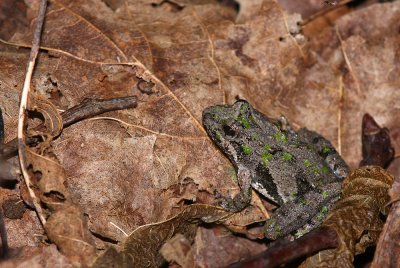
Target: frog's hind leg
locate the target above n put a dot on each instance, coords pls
(302, 215)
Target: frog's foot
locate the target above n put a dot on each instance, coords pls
(236, 204)
(242, 199)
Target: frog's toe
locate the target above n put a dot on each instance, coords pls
(236, 204)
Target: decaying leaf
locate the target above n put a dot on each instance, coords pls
(387, 252)
(179, 250)
(141, 247)
(356, 217)
(52, 121)
(65, 223)
(37, 257)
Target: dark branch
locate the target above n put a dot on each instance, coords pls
(281, 252)
(86, 109)
(91, 107)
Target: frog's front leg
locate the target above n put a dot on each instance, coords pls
(242, 199)
(302, 214)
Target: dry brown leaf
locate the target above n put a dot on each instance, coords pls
(24, 231)
(141, 247)
(179, 250)
(357, 61)
(38, 257)
(65, 224)
(387, 252)
(191, 54)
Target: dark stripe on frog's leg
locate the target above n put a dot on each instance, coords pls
(303, 185)
(265, 184)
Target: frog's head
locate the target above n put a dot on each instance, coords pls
(224, 122)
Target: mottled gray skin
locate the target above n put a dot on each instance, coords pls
(300, 171)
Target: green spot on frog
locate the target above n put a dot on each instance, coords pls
(267, 147)
(307, 163)
(243, 108)
(315, 170)
(278, 230)
(287, 156)
(280, 137)
(245, 123)
(246, 149)
(326, 150)
(218, 136)
(265, 159)
(266, 156)
(323, 211)
(242, 117)
(325, 170)
(325, 194)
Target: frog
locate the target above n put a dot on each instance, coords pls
(299, 171)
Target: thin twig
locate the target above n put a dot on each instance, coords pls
(23, 106)
(86, 109)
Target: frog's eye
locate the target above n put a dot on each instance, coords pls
(229, 131)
